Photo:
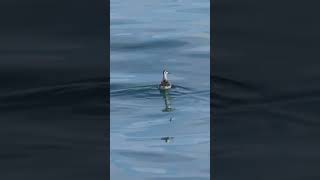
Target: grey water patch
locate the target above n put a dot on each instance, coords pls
(123, 21)
(153, 156)
(147, 45)
(203, 10)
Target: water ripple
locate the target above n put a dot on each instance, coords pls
(152, 91)
(65, 94)
(145, 45)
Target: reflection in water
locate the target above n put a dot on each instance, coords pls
(166, 97)
(168, 108)
(167, 139)
(171, 118)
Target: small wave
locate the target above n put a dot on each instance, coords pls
(65, 94)
(123, 21)
(125, 46)
(152, 156)
(152, 91)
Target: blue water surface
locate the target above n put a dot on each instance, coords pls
(154, 134)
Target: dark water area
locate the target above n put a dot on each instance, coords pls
(155, 134)
(53, 93)
(266, 75)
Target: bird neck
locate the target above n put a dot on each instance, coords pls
(165, 77)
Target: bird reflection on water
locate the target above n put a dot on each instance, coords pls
(168, 108)
(167, 139)
(167, 98)
(171, 119)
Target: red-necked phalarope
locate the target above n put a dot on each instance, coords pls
(165, 84)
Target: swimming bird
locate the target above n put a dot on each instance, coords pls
(165, 83)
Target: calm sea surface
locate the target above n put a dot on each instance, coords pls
(160, 135)
(267, 90)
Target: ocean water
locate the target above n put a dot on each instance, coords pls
(267, 90)
(154, 134)
(53, 73)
